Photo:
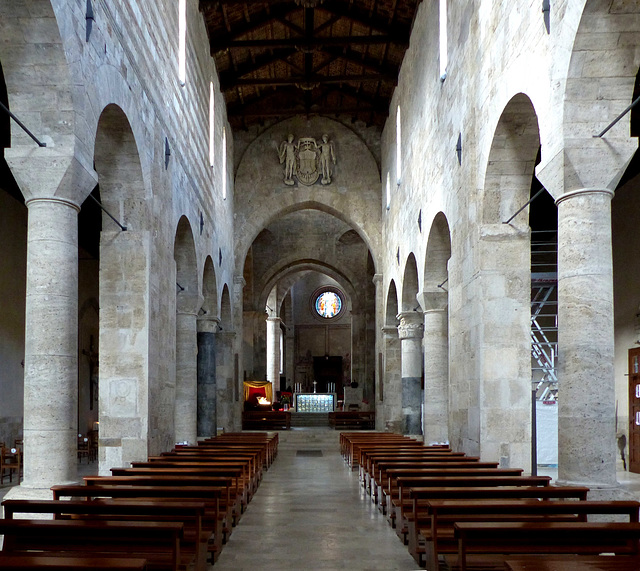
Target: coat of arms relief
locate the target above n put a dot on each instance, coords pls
(307, 160)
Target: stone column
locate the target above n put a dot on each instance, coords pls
(410, 333)
(207, 420)
(358, 349)
(185, 419)
(273, 353)
(227, 395)
(391, 390)
(51, 347)
(586, 410)
(436, 367)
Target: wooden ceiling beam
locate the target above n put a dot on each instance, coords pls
(221, 44)
(362, 17)
(229, 78)
(311, 80)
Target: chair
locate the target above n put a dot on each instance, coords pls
(9, 462)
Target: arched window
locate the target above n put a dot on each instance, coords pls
(443, 40)
(224, 163)
(182, 42)
(398, 146)
(211, 124)
(388, 191)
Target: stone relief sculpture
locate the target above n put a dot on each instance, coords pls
(287, 155)
(307, 159)
(327, 155)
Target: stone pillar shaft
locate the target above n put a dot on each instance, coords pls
(51, 346)
(410, 332)
(586, 410)
(392, 382)
(273, 353)
(207, 419)
(436, 376)
(185, 420)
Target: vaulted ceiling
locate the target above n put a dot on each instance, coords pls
(279, 58)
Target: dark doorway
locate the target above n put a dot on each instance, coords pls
(326, 370)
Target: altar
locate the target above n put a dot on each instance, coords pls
(315, 402)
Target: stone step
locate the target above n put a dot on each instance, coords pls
(299, 419)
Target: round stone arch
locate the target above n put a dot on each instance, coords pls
(501, 362)
(353, 195)
(187, 306)
(206, 360)
(434, 300)
(389, 408)
(410, 332)
(228, 382)
(286, 270)
(123, 290)
(511, 162)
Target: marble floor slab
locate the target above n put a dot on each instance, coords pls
(311, 513)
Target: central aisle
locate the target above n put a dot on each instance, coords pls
(311, 513)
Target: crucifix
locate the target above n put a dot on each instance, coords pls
(314, 386)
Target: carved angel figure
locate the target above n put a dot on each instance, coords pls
(287, 155)
(327, 156)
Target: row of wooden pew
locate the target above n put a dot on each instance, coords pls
(173, 512)
(457, 512)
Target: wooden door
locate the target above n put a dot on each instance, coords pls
(634, 410)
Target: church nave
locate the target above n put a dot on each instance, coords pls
(310, 512)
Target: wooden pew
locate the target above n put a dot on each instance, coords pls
(400, 505)
(211, 496)
(350, 443)
(194, 541)
(157, 542)
(268, 440)
(573, 563)
(38, 562)
(575, 538)
(229, 502)
(438, 531)
(418, 515)
(243, 486)
(380, 479)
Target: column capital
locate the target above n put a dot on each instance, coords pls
(586, 162)
(50, 171)
(411, 325)
(225, 334)
(390, 331)
(584, 191)
(274, 318)
(239, 280)
(208, 324)
(53, 200)
(433, 300)
(377, 279)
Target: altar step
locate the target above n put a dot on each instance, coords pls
(309, 419)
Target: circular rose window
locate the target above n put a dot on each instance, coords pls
(328, 304)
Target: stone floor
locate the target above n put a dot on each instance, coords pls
(310, 512)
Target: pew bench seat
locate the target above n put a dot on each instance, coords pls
(157, 542)
(498, 540)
